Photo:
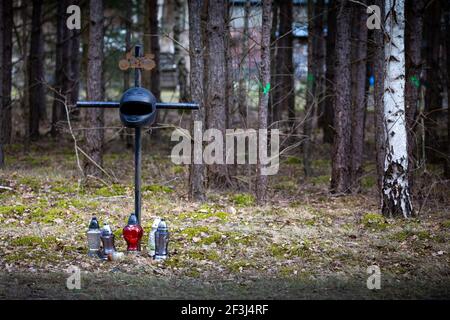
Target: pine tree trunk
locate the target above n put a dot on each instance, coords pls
(179, 60)
(155, 86)
(433, 100)
(379, 71)
(447, 45)
(127, 135)
(95, 116)
(359, 80)
(36, 72)
(396, 195)
(328, 114)
(216, 85)
(273, 117)
(75, 59)
(6, 65)
(196, 41)
(314, 81)
(152, 36)
(62, 68)
(340, 174)
(261, 184)
(285, 68)
(413, 46)
(242, 94)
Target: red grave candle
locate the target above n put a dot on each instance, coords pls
(132, 233)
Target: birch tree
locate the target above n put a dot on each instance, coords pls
(395, 192)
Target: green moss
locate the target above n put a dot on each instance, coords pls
(65, 187)
(49, 215)
(204, 214)
(178, 169)
(446, 224)
(157, 189)
(374, 221)
(192, 232)
(324, 179)
(34, 241)
(36, 160)
(174, 261)
(77, 203)
(243, 199)
(110, 191)
(30, 182)
(14, 209)
(214, 238)
(290, 251)
(286, 186)
(368, 182)
(310, 222)
(293, 160)
(204, 255)
(240, 265)
(292, 271)
(194, 273)
(408, 232)
(321, 164)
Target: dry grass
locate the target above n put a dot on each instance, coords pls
(303, 244)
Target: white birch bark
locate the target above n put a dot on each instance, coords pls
(396, 194)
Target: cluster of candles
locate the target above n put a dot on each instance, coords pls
(101, 241)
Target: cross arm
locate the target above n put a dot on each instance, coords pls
(159, 105)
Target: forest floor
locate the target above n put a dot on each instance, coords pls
(305, 243)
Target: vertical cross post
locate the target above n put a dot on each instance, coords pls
(137, 147)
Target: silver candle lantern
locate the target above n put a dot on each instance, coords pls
(93, 238)
(161, 241)
(107, 238)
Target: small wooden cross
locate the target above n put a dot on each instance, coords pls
(146, 62)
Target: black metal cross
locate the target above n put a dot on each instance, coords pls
(137, 62)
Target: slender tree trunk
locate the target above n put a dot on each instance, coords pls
(261, 185)
(379, 71)
(326, 121)
(413, 46)
(179, 59)
(273, 56)
(95, 116)
(216, 85)
(274, 106)
(242, 94)
(396, 195)
(285, 61)
(6, 65)
(314, 77)
(2, 157)
(36, 71)
(433, 101)
(126, 74)
(359, 80)
(152, 36)
(196, 41)
(229, 72)
(155, 86)
(62, 68)
(447, 45)
(340, 175)
(24, 52)
(284, 73)
(75, 59)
